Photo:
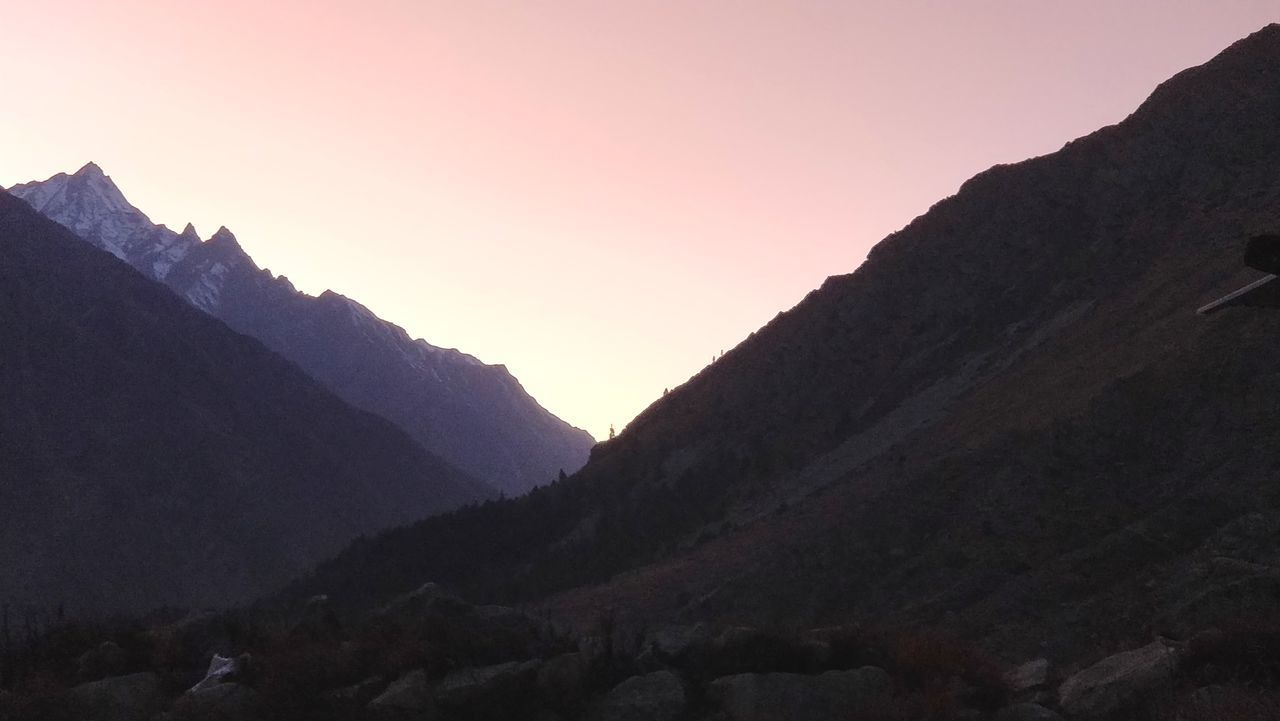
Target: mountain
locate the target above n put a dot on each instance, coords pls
(151, 456)
(1008, 422)
(476, 416)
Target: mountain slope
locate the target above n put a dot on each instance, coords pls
(1009, 420)
(151, 456)
(474, 415)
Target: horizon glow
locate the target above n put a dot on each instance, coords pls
(601, 196)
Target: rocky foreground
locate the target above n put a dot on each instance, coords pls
(430, 655)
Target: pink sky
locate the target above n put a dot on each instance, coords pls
(600, 195)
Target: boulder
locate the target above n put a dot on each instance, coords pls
(674, 643)
(136, 697)
(108, 659)
(358, 694)
(563, 679)
(407, 693)
(658, 696)
(1117, 681)
(222, 669)
(831, 696)
(1027, 712)
(221, 702)
(492, 685)
(1029, 676)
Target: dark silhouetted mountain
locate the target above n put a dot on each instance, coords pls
(1008, 421)
(151, 456)
(476, 416)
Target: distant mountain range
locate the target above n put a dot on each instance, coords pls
(476, 416)
(151, 456)
(1009, 422)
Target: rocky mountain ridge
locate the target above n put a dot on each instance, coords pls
(150, 456)
(474, 415)
(1008, 421)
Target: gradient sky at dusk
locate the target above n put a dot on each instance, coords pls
(600, 195)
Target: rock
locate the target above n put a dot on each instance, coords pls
(1116, 681)
(221, 702)
(1028, 677)
(1027, 712)
(674, 643)
(222, 670)
(563, 679)
(491, 684)
(407, 693)
(658, 696)
(831, 696)
(358, 694)
(675, 646)
(136, 697)
(107, 659)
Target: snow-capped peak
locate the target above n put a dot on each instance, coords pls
(90, 204)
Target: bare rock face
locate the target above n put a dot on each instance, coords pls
(1116, 681)
(831, 696)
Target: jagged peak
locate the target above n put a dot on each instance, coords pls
(224, 238)
(90, 178)
(90, 170)
(190, 232)
(90, 189)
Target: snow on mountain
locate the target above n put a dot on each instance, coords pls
(90, 204)
(476, 416)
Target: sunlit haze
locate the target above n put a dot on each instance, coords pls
(599, 195)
